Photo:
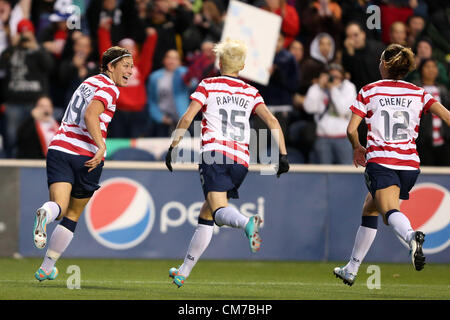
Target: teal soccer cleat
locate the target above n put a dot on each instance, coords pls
(252, 233)
(178, 279)
(41, 275)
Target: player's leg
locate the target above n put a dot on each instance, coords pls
(62, 236)
(363, 241)
(388, 203)
(199, 242)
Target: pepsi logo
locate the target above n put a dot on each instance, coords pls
(428, 209)
(121, 213)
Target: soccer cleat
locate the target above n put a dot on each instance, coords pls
(40, 228)
(417, 257)
(344, 275)
(41, 275)
(173, 272)
(252, 233)
(179, 280)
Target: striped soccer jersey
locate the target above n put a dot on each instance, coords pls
(73, 136)
(227, 104)
(392, 110)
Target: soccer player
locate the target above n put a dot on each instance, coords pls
(76, 154)
(392, 109)
(227, 104)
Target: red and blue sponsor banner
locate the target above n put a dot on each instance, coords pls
(311, 216)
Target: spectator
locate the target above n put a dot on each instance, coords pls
(36, 132)
(169, 18)
(321, 16)
(433, 144)
(302, 129)
(415, 25)
(168, 96)
(9, 18)
(358, 56)
(207, 26)
(201, 65)
(425, 51)
(321, 51)
(25, 69)
(392, 11)
(131, 118)
(283, 83)
(81, 65)
(329, 100)
(398, 33)
(290, 24)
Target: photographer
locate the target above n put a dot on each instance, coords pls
(329, 100)
(24, 69)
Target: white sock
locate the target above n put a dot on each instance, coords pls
(59, 241)
(363, 241)
(199, 242)
(401, 225)
(229, 216)
(53, 211)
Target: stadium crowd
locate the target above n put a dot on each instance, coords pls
(326, 52)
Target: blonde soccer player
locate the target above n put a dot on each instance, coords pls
(392, 109)
(226, 103)
(76, 155)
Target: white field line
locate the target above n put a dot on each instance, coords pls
(281, 283)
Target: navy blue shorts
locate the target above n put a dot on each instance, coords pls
(66, 167)
(222, 177)
(379, 177)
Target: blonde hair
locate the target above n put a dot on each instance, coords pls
(399, 60)
(231, 54)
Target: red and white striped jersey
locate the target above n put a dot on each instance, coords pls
(73, 136)
(228, 103)
(392, 110)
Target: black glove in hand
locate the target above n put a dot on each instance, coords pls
(283, 165)
(169, 159)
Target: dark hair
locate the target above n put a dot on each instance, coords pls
(111, 54)
(422, 64)
(399, 60)
(356, 23)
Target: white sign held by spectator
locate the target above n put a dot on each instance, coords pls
(259, 30)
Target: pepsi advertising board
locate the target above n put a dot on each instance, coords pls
(306, 216)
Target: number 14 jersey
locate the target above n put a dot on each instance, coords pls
(73, 136)
(392, 110)
(227, 104)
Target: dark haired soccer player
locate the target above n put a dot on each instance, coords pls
(392, 109)
(76, 154)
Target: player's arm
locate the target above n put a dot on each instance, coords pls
(92, 121)
(182, 125)
(272, 123)
(359, 152)
(439, 110)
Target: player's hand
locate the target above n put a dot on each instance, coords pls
(283, 165)
(359, 156)
(169, 159)
(96, 160)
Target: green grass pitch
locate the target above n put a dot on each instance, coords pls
(114, 279)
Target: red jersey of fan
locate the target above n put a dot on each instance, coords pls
(228, 103)
(73, 136)
(392, 110)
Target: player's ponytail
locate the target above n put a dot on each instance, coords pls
(398, 60)
(113, 55)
